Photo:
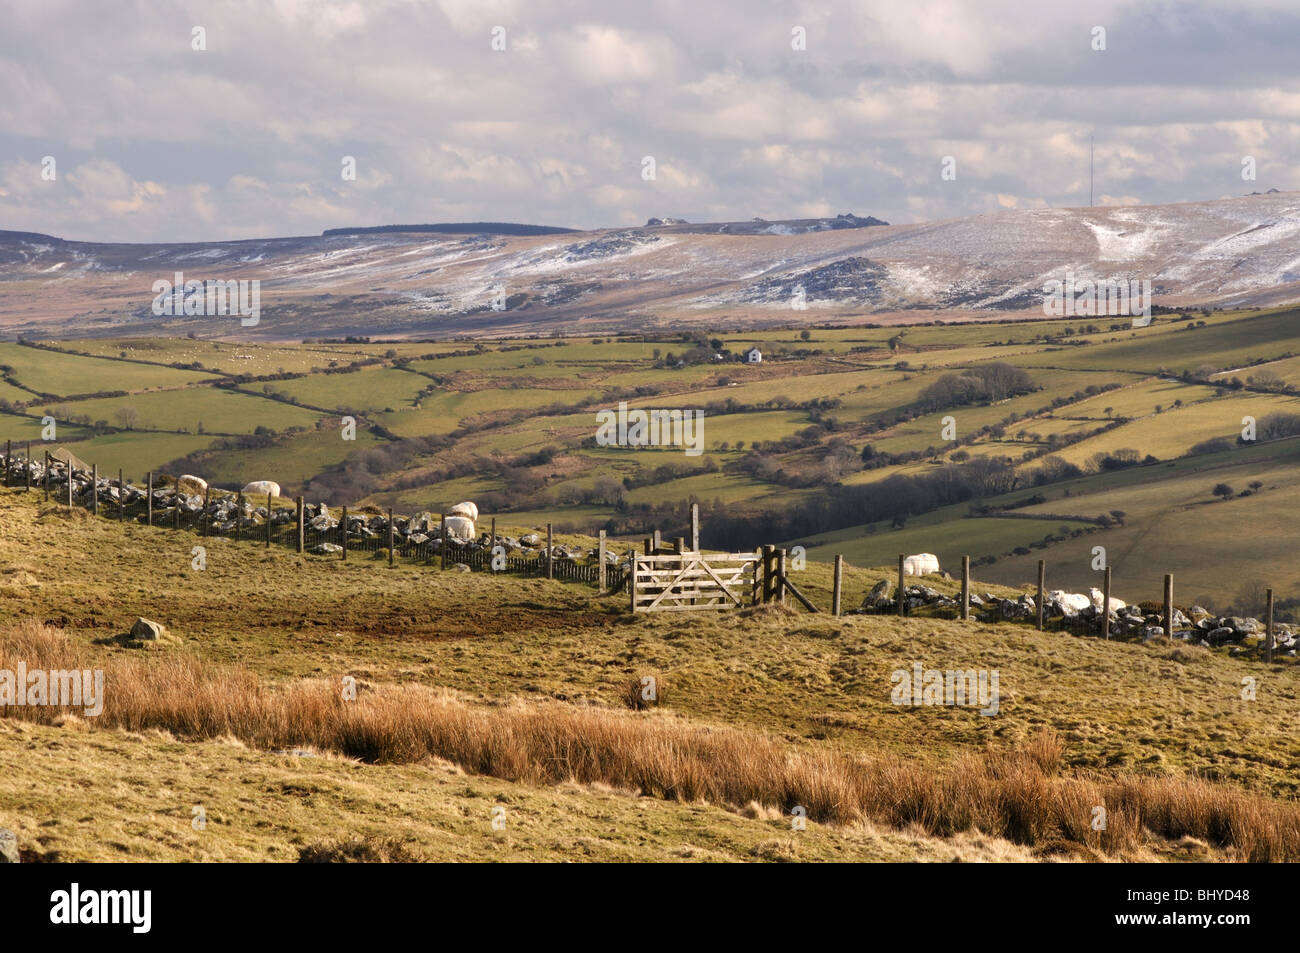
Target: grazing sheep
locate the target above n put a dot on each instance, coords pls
(461, 529)
(466, 509)
(191, 485)
(1075, 601)
(921, 564)
(1098, 597)
(262, 488)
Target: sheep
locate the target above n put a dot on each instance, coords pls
(262, 488)
(1098, 597)
(461, 529)
(921, 564)
(1074, 601)
(191, 485)
(466, 509)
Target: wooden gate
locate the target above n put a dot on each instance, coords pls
(669, 582)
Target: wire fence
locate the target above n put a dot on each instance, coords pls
(183, 505)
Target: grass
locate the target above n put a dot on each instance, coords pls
(949, 540)
(495, 395)
(371, 389)
(50, 372)
(1018, 795)
(521, 685)
(139, 792)
(213, 410)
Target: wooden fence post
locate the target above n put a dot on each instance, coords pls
(121, 497)
(600, 572)
(550, 558)
(492, 537)
(1105, 604)
(47, 475)
(769, 556)
(838, 584)
(392, 539)
(148, 499)
(658, 542)
(207, 501)
(902, 585)
(239, 512)
(27, 468)
(442, 542)
(176, 510)
(8, 459)
(780, 579)
(1169, 605)
(1268, 626)
(69, 469)
(755, 581)
(695, 527)
(301, 526)
(631, 578)
(1042, 585)
(268, 519)
(343, 526)
(94, 489)
(965, 588)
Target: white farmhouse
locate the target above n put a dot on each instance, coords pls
(754, 356)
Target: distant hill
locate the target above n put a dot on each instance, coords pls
(7, 237)
(483, 279)
(454, 228)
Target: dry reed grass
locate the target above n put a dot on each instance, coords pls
(1022, 795)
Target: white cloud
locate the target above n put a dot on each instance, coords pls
(156, 141)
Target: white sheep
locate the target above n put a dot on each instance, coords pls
(921, 564)
(262, 488)
(1075, 601)
(461, 529)
(191, 485)
(466, 509)
(1098, 597)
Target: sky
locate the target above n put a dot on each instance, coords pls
(745, 107)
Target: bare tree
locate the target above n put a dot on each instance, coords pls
(128, 418)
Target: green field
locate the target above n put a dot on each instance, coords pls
(49, 372)
(196, 410)
(811, 407)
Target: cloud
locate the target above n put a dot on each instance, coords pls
(156, 141)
